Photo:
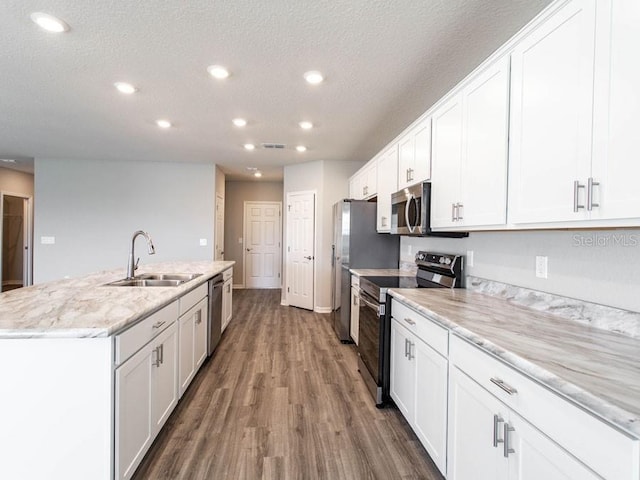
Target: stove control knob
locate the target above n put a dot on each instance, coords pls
(447, 261)
(441, 260)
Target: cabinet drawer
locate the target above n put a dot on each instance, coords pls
(606, 450)
(227, 274)
(136, 337)
(188, 300)
(434, 335)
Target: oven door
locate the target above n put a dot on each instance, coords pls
(407, 211)
(370, 334)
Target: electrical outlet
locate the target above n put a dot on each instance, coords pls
(48, 240)
(203, 242)
(541, 266)
(469, 258)
(409, 250)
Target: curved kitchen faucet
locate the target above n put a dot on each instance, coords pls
(132, 264)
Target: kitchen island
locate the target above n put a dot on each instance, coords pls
(59, 355)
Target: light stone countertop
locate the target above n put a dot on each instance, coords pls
(595, 369)
(85, 307)
(382, 272)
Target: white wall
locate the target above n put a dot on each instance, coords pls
(601, 266)
(330, 181)
(92, 209)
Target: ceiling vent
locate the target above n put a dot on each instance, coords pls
(274, 145)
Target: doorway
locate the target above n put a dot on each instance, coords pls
(16, 242)
(262, 234)
(301, 226)
(219, 232)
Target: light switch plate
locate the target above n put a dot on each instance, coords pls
(240, 240)
(47, 240)
(203, 242)
(469, 258)
(542, 264)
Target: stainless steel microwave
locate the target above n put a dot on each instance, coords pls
(411, 212)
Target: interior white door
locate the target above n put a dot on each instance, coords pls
(300, 249)
(219, 233)
(262, 244)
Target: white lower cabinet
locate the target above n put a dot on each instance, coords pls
(227, 299)
(146, 394)
(419, 381)
(355, 308)
(193, 343)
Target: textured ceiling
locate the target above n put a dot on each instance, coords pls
(385, 63)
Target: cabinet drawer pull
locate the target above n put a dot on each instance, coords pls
(507, 449)
(409, 321)
(507, 388)
(159, 324)
(198, 317)
(156, 362)
(497, 419)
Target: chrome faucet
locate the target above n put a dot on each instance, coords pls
(132, 265)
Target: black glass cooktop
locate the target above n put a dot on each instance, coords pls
(393, 282)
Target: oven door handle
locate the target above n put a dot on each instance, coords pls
(363, 299)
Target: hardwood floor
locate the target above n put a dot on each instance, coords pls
(281, 398)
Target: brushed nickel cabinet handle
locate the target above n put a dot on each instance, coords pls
(507, 447)
(198, 317)
(590, 185)
(507, 388)
(406, 347)
(159, 324)
(410, 321)
(497, 420)
(384, 221)
(156, 352)
(576, 195)
(453, 212)
(458, 207)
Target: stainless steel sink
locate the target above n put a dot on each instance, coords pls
(155, 280)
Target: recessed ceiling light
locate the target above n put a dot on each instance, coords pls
(218, 71)
(257, 174)
(313, 77)
(7, 160)
(306, 125)
(126, 88)
(301, 148)
(239, 122)
(163, 123)
(49, 22)
(249, 146)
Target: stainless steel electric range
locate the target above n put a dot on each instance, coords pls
(435, 270)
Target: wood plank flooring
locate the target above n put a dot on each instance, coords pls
(281, 398)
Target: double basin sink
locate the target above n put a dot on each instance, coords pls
(155, 280)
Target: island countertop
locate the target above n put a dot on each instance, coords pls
(86, 307)
(593, 368)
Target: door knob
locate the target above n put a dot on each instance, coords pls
(309, 257)
(248, 249)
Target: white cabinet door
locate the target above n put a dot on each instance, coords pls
(414, 155)
(134, 428)
(476, 424)
(615, 166)
(355, 189)
(485, 142)
(200, 333)
(402, 388)
(430, 420)
(371, 180)
(227, 302)
(536, 457)
(186, 365)
(387, 170)
(165, 376)
(447, 163)
(355, 313)
(552, 74)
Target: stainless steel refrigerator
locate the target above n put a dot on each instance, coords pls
(356, 244)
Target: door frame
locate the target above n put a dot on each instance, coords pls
(244, 236)
(218, 237)
(27, 269)
(285, 294)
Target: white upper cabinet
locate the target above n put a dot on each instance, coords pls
(470, 145)
(414, 161)
(387, 171)
(617, 107)
(364, 182)
(552, 74)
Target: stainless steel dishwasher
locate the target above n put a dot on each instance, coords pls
(214, 328)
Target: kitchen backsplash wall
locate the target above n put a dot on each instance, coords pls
(599, 266)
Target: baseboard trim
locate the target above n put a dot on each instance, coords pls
(322, 309)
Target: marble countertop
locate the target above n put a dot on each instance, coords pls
(382, 272)
(85, 307)
(595, 369)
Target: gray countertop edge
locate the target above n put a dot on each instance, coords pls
(163, 296)
(617, 417)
